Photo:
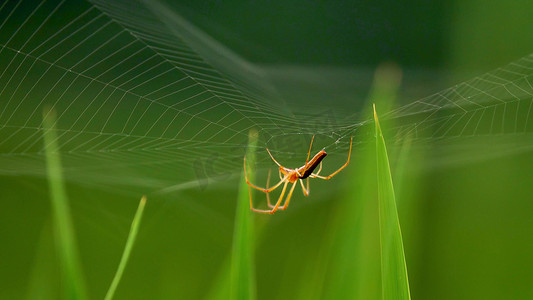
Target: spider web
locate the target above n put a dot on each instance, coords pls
(144, 99)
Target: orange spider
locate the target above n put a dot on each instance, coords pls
(292, 176)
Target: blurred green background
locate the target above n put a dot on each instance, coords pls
(142, 122)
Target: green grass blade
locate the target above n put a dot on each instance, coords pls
(395, 283)
(242, 283)
(352, 275)
(127, 250)
(355, 267)
(64, 231)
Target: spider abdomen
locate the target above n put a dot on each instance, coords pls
(308, 169)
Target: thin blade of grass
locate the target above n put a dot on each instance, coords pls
(127, 250)
(409, 178)
(355, 270)
(242, 283)
(395, 283)
(64, 230)
(351, 275)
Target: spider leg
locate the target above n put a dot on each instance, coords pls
(259, 188)
(306, 191)
(309, 152)
(268, 194)
(279, 172)
(275, 206)
(277, 163)
(335, 173)
(288, 197)
(319, 169)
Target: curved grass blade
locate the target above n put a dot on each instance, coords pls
(395, 283)
(64, 230)
(242, 280)
(127, 250)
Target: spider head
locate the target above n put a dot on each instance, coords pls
(285, 171)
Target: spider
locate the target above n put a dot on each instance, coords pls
(292, 176)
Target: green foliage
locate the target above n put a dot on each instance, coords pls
(242, 283)
(355, 266)
(64, 231)
(65, 240)
(127, 250)
(395, 283)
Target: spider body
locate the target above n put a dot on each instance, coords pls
(307, 169)
(292, 176)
